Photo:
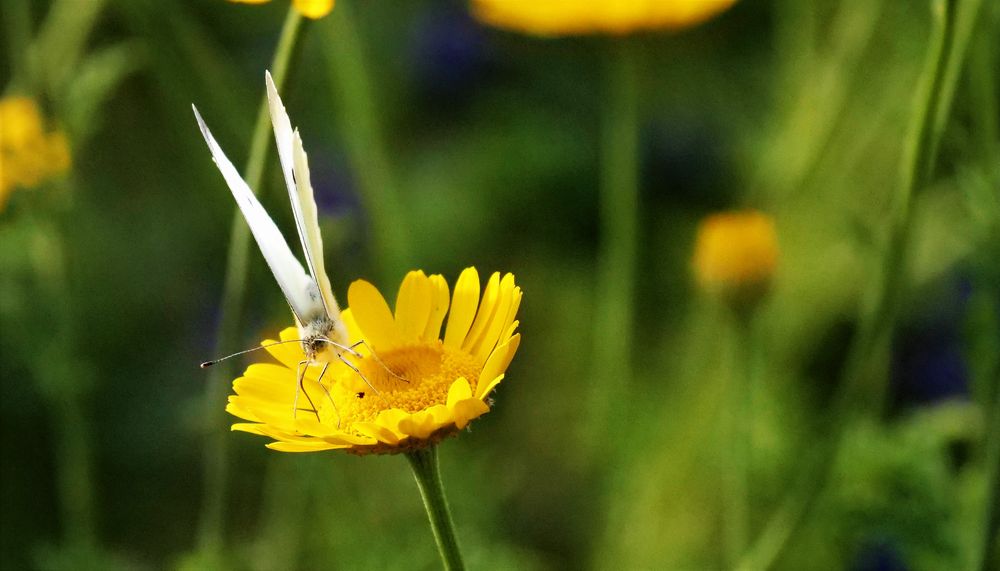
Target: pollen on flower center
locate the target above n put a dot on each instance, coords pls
(429, 369)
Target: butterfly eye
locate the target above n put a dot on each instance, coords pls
(360, 395)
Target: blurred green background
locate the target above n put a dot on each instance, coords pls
(483, 147)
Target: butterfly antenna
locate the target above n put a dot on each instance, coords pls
(379, 361)
(208, 364)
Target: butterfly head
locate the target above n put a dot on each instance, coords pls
(320, 338)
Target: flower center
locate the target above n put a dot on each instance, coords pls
(411, 377)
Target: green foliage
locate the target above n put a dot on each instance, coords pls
(111, 280)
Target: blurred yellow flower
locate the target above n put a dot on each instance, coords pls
(29, 155)
(314, 9)
(736, 253)
(413, 386)
(577, 17)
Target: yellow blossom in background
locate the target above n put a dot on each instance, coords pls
(736, 253)
(418, 386)
(29, 154)
(309, 8)
(577, 17)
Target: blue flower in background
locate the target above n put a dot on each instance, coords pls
(928, 364)
(448, 54)
(879, 555)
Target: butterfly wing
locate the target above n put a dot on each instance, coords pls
(299, 289)
(300, 193)
(312, 236)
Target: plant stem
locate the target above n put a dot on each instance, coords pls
(64, 380)
(737, 458)
(862, 389)
(358, 102)
(619, 218)
(75, 473)
(56, 52)
(426, 471)
(990, 530)
(216, 463)
(17, 28)
(983, 64)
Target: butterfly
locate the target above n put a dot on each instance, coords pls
(322, 332)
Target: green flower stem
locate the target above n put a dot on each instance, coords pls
(983, 65)
(65, 382)
(619, 218)
(216, 442)
(990, 527)
(863, 384)
(17, 28)
(75, 473)
(426, 471)
(865, 373)
(363, 132)
(55, 54)
(984, 90)
(736, 474)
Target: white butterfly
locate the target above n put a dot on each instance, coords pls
(321, 330)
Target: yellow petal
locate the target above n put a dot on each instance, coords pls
(467, 410)
(266, 381)
(483, 346)
(462, 405)
(306, 423)
(418, 425)
(313, 8)
(287, 352)
(509, 332)
(269, 431)
(440, 416)
(318, 446)
(353, 331)
(439, 308)
(255, 395)
(372, 315)
(487, 307)
(487, 388)
(249, 427)
(280, 417)
(497, 364)
(511, 314)
(459, 390)
(269, 373)
(413, 306)
(378, 432)
(351, 440)
(463, 308)
(390, 420)
(233, 407)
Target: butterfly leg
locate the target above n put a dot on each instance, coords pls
(319, 381)
(360, 374)
(300, 373)
(352, 351)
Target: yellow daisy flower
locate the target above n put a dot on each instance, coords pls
(412, 387)
(314, 9)
(578, 17)
(29, 154)
(736, 253)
